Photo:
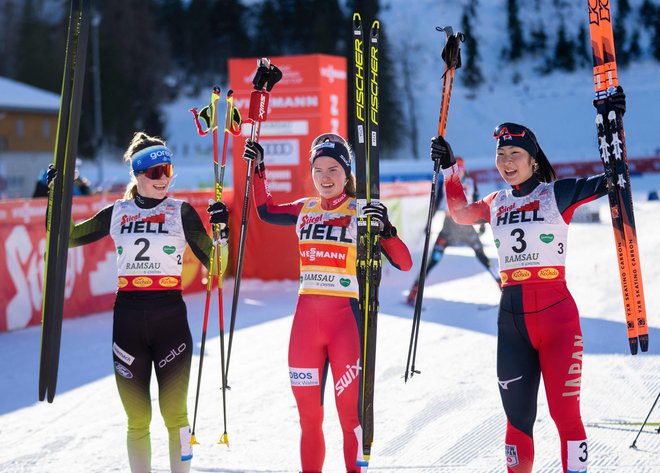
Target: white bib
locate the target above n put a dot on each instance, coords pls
(150, 245)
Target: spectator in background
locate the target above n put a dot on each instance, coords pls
(81, 185)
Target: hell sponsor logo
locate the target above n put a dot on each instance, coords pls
(350, 375)
(304, 376)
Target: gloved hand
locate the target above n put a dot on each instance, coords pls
(441, 151)
(219, 215)
(617, 101)
(378, 212)
(254, 153)
(51, 174)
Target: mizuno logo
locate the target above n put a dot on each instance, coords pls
(505, 384)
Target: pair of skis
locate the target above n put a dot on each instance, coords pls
(60, 197)
(366, 142)
(209, 116)
(612, 148)
(451, 55)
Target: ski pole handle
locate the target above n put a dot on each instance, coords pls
(258, 106)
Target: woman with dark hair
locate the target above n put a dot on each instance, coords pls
(539, 330)
(325, 325)
(150, 326)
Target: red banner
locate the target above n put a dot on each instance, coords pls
(91, 277)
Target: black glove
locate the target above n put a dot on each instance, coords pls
(254, 153)
(378, 212)
(618, 100)
(219, 215)
(441, 151)
(50, 175)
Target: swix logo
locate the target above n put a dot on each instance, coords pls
(351, 374)
(599, 10)
(331, 73)
(262, 107)
(309, 220)
(574, 374)
(171, 356)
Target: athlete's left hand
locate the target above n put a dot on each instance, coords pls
(378, 212)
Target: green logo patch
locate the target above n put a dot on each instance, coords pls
(345, 282)
(120, 250)
(497, 243)
(546, 237)
(169, 249)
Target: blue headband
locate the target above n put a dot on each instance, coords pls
(151, 156)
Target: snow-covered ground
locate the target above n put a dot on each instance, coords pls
(448, 418)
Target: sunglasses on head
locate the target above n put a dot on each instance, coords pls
(509, 130)
(156, 172)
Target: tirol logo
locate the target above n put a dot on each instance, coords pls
(169, 249)
(546, 237)
(521, 275)
(548, 273)
(122, 282)
(120, 250)
(345, 282)
(497, 243)
(142, 281)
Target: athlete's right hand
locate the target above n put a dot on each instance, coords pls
(441, 151)
(254, 153)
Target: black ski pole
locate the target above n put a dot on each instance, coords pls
(267, 76)
(634, 444)
(451, 54)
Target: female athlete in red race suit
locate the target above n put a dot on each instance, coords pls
(538, 326)
(325, 325)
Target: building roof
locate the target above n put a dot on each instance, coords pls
(18, 96)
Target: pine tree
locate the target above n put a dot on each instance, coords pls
(516, 46)
(621, 33)
(471, 74)
(538, 40)
(268, 38)
(650, 14)
(583, 47)
(564, 58)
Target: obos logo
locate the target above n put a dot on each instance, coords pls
(304, 376)
(548, 273)
(521, 275)
(123, 371)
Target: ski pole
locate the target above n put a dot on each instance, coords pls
(209, 115)
(267, 76)
(634, 444)
(451, 54)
